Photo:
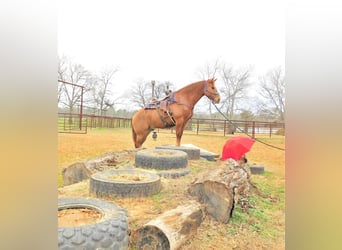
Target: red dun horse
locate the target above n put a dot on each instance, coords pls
(174, 110)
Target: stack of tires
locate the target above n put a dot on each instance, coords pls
(165, 162)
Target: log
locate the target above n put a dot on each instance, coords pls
(75, 173)
(80, 171)
(171, 229)
(220, 189)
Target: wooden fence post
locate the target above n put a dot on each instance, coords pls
(224, 127)
(197, 126)
(253, 129)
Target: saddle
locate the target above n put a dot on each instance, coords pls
(163, 106)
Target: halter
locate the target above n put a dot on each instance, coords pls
(207, 91)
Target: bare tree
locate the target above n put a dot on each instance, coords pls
(209, 70)
(102, 95)
(62, 68)
(163, 88)
(236, 82)
(70, 95)
(61, 76)
(273, 90)
(141, 93)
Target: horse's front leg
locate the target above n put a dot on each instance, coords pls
(179, 133)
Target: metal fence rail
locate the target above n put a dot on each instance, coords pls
(72, 123)
(95, 121)
(235, 126)
(68, 123)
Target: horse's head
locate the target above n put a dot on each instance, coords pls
(210, 90)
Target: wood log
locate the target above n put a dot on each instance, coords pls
(220, 189)
(171, 229)
(75, 173)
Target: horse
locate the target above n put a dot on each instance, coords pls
(174, 110)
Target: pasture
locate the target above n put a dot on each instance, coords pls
(260, 226)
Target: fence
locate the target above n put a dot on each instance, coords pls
(225, 127)
(95, 121)
(194, 125)
(72, 123)
(71, 95)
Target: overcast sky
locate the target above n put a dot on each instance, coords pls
(169, 40)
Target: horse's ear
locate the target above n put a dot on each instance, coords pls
(214, 79)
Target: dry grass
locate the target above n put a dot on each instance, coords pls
(260, 227)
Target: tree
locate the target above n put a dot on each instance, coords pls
(101, 90)
(247, 115)
(70, 95)
(236, 82)
(141, 93)
(209, 70)
(162, 89)
(61, 76)
(272, 89)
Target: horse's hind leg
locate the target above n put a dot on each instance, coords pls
(141, 138)
(140, 128)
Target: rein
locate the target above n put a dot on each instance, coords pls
(242, 131)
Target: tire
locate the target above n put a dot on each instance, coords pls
(102, 184)
(110, 232)
(257, 169)
(193, 153)
(174, 173)
(161, 159)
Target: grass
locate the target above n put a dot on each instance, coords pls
(266, 213)
(259, 226)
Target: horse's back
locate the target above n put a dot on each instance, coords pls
(138, 116)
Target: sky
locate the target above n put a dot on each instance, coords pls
(171, 40)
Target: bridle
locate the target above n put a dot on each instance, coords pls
(208, 91)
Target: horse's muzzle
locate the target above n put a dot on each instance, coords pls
(217, 99)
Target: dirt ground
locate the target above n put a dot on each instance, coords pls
(262, 227)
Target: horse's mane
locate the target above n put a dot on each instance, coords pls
(192, 85)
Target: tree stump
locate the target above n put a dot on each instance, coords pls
(220, 189)
(171, 229)
(75, 173)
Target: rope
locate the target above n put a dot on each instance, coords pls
(242, 131)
